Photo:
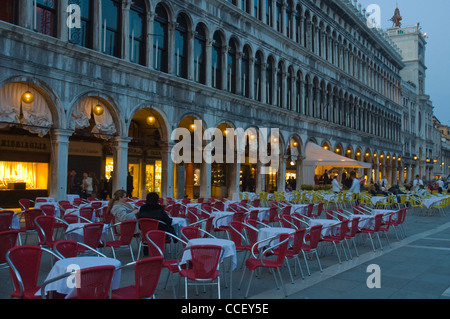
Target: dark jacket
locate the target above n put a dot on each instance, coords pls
(157, 212)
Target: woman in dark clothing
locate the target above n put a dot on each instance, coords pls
(151, 209)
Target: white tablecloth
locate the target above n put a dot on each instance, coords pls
(263, 212)
(222, 218)
(67, 285)
(71, 197)
(268, 232)
(57, 212)
(428, 202)
(229, 248)
(76, 211)
(299, 208)
(365, 221)
(327, 224)
(15, 224)
(178, 222)
(47, 199)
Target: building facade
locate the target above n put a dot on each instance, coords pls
(108, 92)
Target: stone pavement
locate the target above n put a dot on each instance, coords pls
(417, 267)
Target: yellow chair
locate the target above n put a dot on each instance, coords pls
(416, 203)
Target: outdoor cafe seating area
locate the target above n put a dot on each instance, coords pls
(279, 238)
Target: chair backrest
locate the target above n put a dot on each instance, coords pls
(378, 221)
(106, 218)
(233, 207)
(92, 233)
(24, 203)
(235, 232)
(45, 228)
(8, 239)
(146, 276)
(256, 202)
(48, 209)
(96, 205)
(251, 232)
(192, 215)
(329, 214)
(87, 212)
(147, 224)
(186, 201)
(6, 217)
(77, 201)
(273, 214)
(189, 232)
(158, 242)
(205, 259)
(281, 249)
(239, 216)
(319, 208)
(299, 236)
(40, 200)
(314, 236)
(26, 260)
(140, 202)
(310, 209)
(253, 214)
(175, 210)
(95, 282)
(286, 210)
(219, 206)
(355, 226)
(66, 248)
(200, 200)
(70, 218)
(30, 215)
(127, 230)
(343, 229)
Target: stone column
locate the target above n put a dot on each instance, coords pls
(167, 174)
(120, 157)
(150, 49)
(59, 163)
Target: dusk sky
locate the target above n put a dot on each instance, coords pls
(433, 16)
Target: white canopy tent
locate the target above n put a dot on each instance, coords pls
(316, 156)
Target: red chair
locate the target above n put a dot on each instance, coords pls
(146, 277)
(310, 245)
(146, 225)
(341, 230)
(203, 267)
(71, 248)
(40, 200)
(77, 202)
(70, 219)
(24, 262)
(286, 210)
(127, 230)
(254, 263)
(25, 204)
(48, 209)
(310, 210)
(46, 228)
(185, 201)
(139, 203)
(95, 204)
(236, 235)
(189, 232)
(398, 222)
(6, 217)
(106, 218)
(273, 216)
(374, 230)
(176, 211)
(30, 226)
(8, 239)
(87, 213)
(192, 215)
(256, 202)
(253, 214)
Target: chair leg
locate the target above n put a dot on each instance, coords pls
(306, 263)
(249, 283)
(354, 245)
(289, 269)
(281, 282)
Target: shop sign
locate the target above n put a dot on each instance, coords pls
(85, 149)
(24, 144)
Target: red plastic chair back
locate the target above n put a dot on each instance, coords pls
(127, 230)
(256, 202)
(96, 205)
(378, 221)
(310, 210)
(146, 276)
(329, 214)
(236, 228)
(95, 282)
(233, 207)
(25, 203)
(190, 232)
(30, 215)
(200, 200)
(186, 201)
(40, 200)
(343, 229)
(273, 214)
(139, 203)
(209, 224)
(319, 210)
(8, 239)
(192, 214)
(45, 229)
(314, 236)
(205, 259)
(282, 249)
(106, 218)
(70, 218)
(77, 201)
(175, 210)
(239, 216)
(299, 236)
(92, 233)
(6, 217)
(26, 259)
(146, 225)
(253, 214)
(286, 210)
(87, 212)
(66, 248)
(158, 237)
(251, 232)
(48, 209)
(355, 226)
(219, 206)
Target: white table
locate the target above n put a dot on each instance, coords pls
(67, 286)
(222, 218)
(430, 201)
(76, 211)
(327, 225)
(299, 208)
(46, 200)
(263, 212)
(15, 224)
(39, 205)
(71, 197)
(178, 222)
(365, 221)
(75, 232)
(268, 232)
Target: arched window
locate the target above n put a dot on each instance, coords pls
(257, 76)
(231, 67)
(45, 19)
(160, 37)
(245, 72)
(257, 9)
(137, 32)
(278, 15)
(269, 15)
(216, 61)
(269, 81)
(199, 55)
(288, 20)
(181, 43)
(111, 26)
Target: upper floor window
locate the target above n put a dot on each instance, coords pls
(83, 36)
(181, 65)
(160, 39)
(216, 61)
(45, 16)
(137, 32)
(111, 27)
(8, 12)
(200, 55)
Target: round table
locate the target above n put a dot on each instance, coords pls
(268, 232)
(327, 225)
(67, 285)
